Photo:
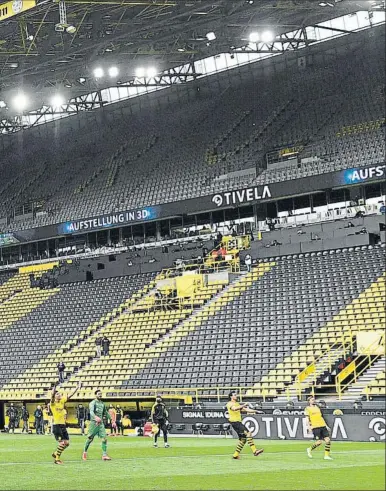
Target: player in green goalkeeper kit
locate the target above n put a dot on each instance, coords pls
(97, 412)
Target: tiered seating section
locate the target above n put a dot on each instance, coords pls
(335, 340)
(18, 299)
(181, 150)
(69, 315)
(257, 330)
(260, 330)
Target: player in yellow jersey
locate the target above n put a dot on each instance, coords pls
(318, 426)
(57, 406)
(235, 409)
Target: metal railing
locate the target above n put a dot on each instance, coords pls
(358, 366)
(345, 346)
(190, 394)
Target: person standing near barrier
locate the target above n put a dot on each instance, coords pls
(81, 417)
(25, 419)
(119, 416)
(38, 415)
(113, 424)
(12, 414)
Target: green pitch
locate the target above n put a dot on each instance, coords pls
(189, 464)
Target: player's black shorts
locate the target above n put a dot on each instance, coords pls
(161, 423)
(60, 432)
(240, 429)
(320, 433)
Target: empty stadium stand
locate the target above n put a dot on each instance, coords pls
(67, 314)
(256, 331)
(334, 113)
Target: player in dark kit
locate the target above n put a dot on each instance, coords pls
(12, 414)
(235, 409)
(119, 415)
(159, 417)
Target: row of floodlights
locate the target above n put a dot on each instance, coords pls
(20, 101)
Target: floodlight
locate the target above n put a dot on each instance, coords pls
(151, 72)
(71, 29)
(98, 72)
(20, 101)
(140, 72)
(211, 36)
(254, 37)
(113, 71)
(2, 104)
(57, 100)
(267, 36)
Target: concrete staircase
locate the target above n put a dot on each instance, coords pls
(355, 390)
(322, 366)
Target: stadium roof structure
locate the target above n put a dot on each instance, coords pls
(38, 53)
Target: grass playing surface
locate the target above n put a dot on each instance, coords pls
(189, 464)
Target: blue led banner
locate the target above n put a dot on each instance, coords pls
(107, 221)
(362, 174)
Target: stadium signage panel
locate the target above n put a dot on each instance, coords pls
(106, 221)
(238, 197)
(258, 194)
(349, 427)
(14, 7)
(361, 174)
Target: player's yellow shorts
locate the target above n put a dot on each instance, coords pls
(96, 430)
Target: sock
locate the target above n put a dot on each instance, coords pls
(165, 437)
(61, 447)
(315, 445)
(104, 448)
(155, 438)
(251, 444)
(88, 443)
(327, 449)
(239, 447)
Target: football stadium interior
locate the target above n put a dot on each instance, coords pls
(192, 202)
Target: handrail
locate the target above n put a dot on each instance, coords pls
(311, 369)
(359, 368)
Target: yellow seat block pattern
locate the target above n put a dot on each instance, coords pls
(136, 339)
(366, 312)
(18, 299)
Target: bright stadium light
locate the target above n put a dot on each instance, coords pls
(20, 101)
(254, 37)
(98, 72)
(2, 104)
(151, 72)
(113, 71)
(140, 72)
(57, 100)
(211, 36)
(267, 36)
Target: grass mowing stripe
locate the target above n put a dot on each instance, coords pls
(190, 464)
